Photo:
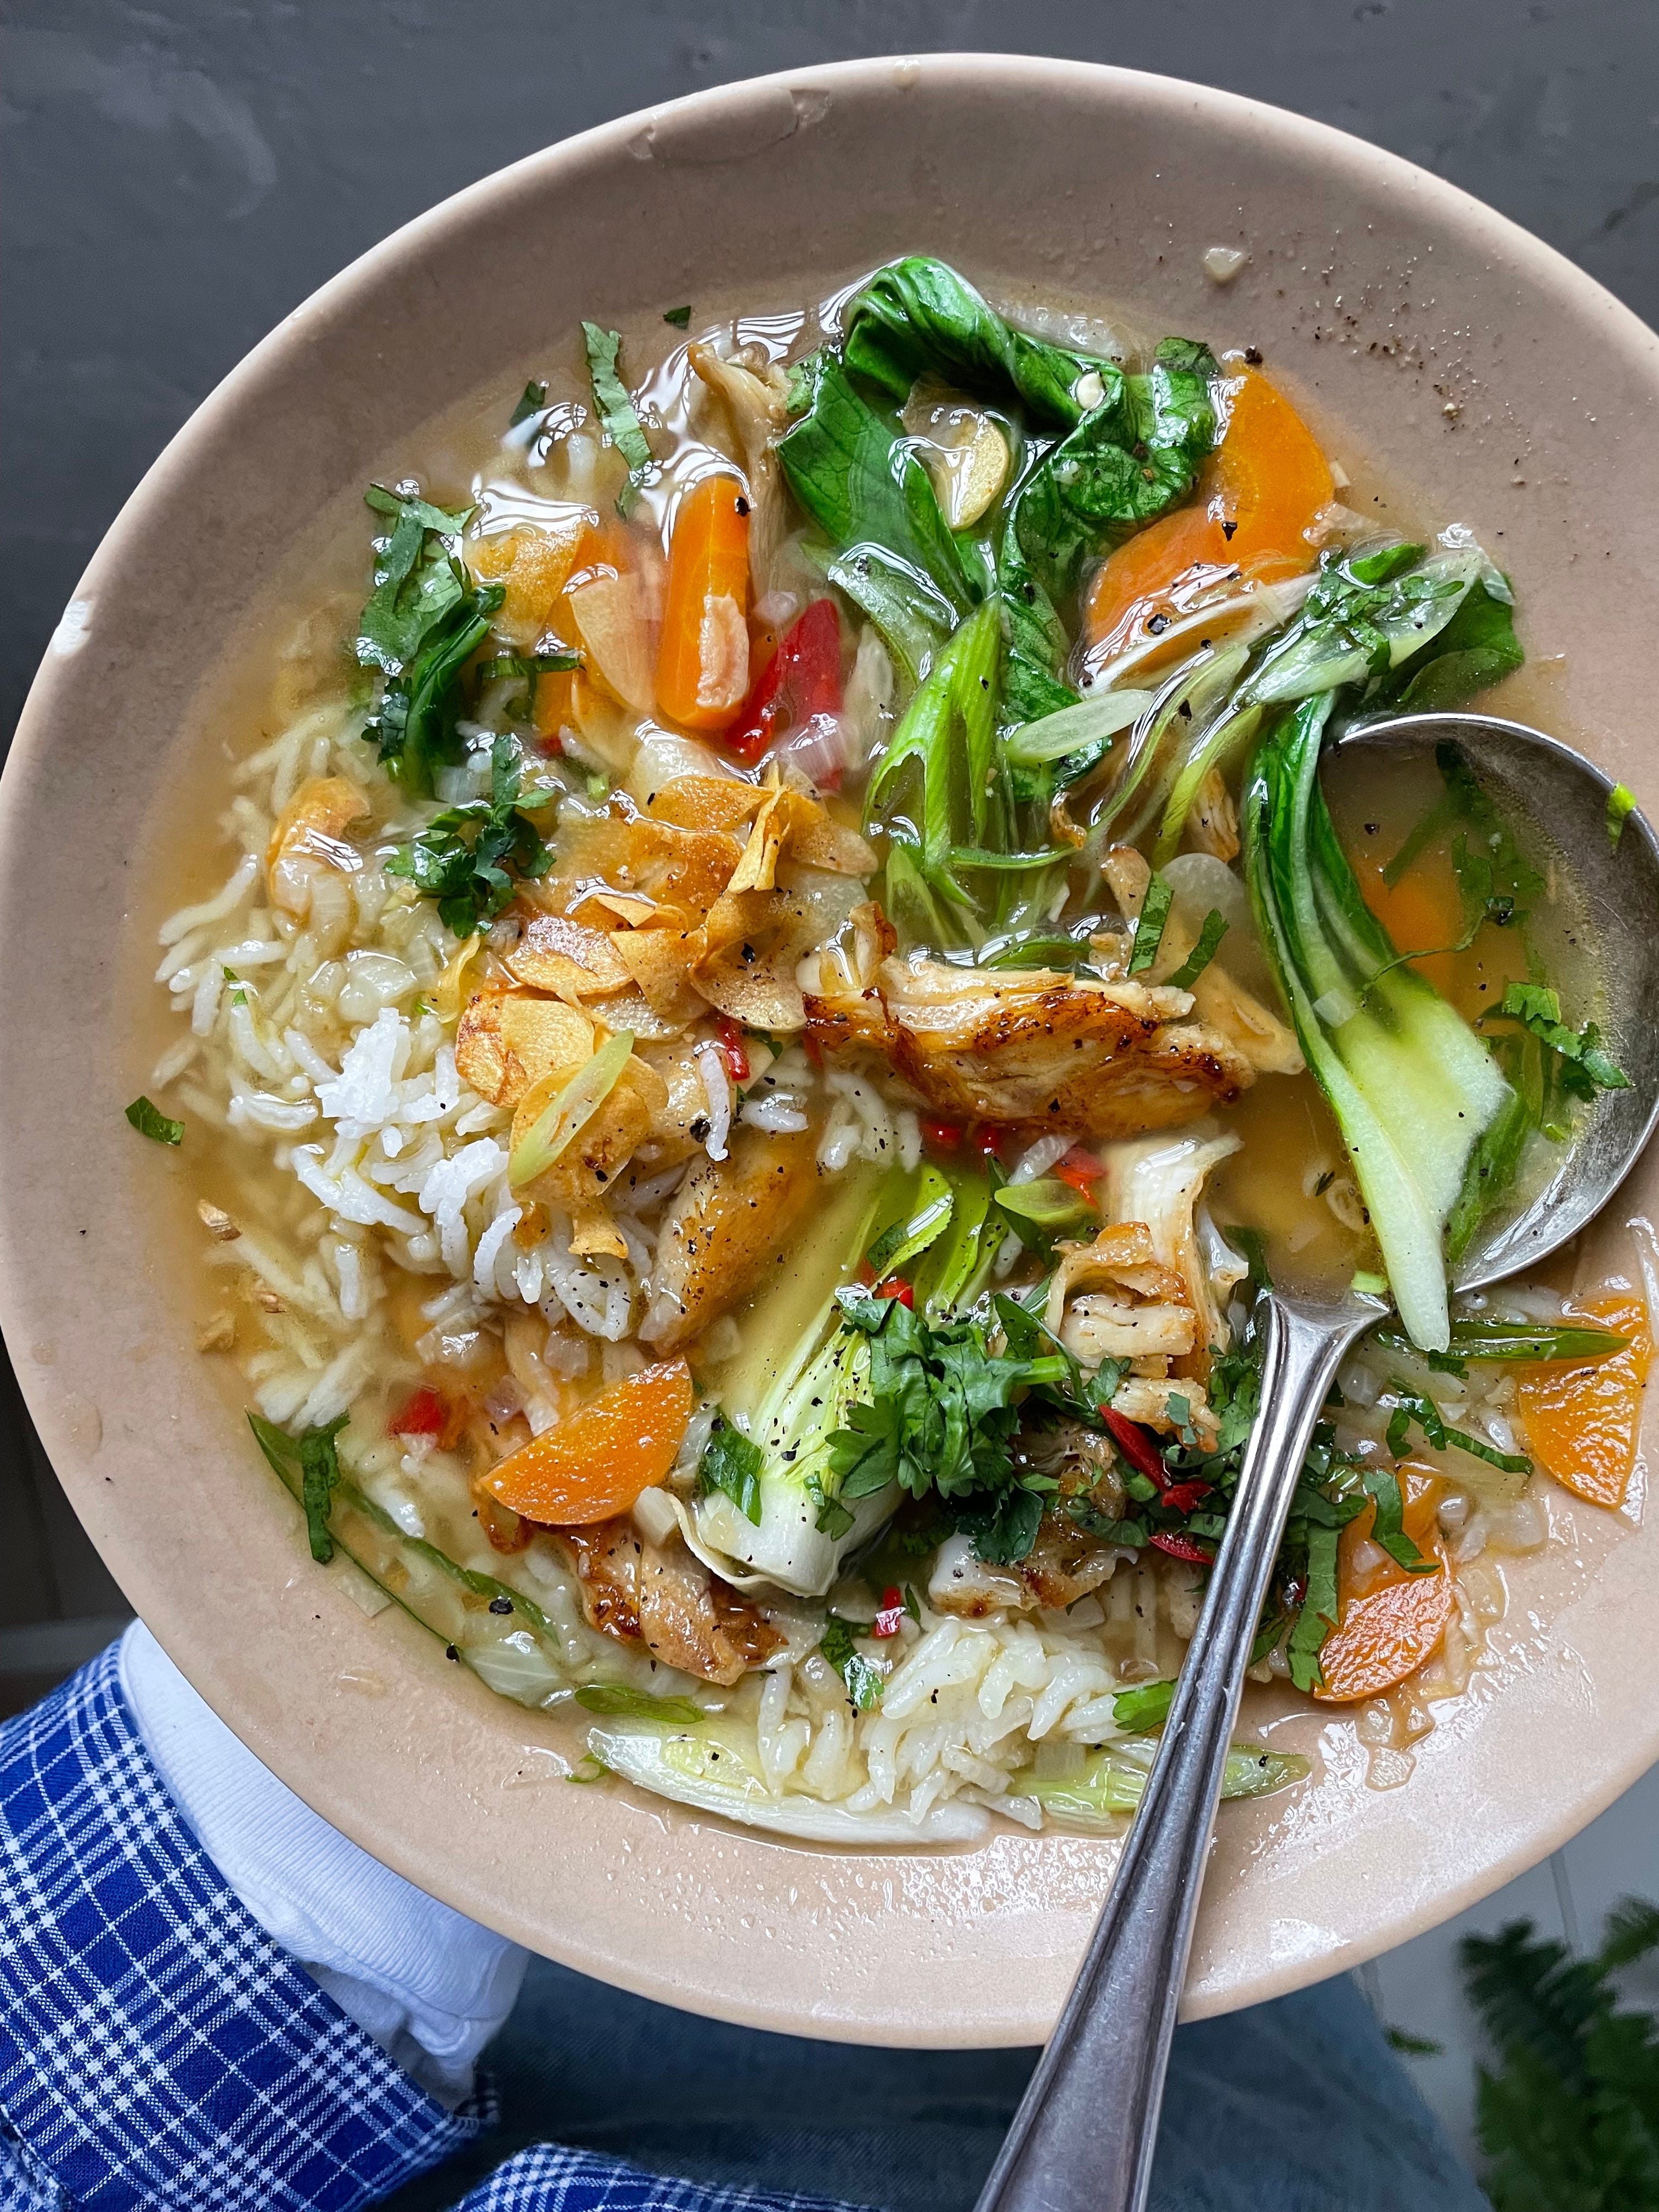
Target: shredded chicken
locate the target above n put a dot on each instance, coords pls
(1115, 1299)
(660, 1596)
(1212, 825)
(1031, 1049)
(1157, 1181)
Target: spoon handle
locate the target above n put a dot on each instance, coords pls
(1083, 2138)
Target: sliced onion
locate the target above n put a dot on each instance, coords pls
(574, 1107)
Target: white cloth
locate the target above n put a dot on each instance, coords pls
(430, 1986)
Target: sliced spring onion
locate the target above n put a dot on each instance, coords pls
(1112, 1781)
(572, 1109)
(1092, 720)
(926, 1221)
(1622, 805)
(638, 1704)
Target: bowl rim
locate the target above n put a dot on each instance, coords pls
(988, 75)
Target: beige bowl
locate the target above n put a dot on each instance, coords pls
(1475, 361)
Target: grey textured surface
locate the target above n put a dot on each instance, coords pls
(176, 178)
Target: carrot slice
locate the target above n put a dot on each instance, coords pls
(1583, 1421)
(1257, 495)
(1389, 1621)
(1422, 912)
(595, 1464)
(702, 666)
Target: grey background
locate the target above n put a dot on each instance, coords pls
(174, 179)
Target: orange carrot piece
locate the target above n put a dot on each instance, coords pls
(597, 1462)
(1422, 913)
(702, 665)
(1389, 1621)
(1257, 495)
(1583, 1422)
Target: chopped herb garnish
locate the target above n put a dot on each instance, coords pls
(314, 1455)
(731, 1464)
(423, 624)
(469, 878)
(863, 1682)
(622, 424)
(1209, 942)
(531, 666)
(1149, 925)
(1413, 1407)
(532, 402)
(1145, 1706)
(150, 1121)
(1582, 1067)
(1510, 1340)
(679, 317)
(1622, 805)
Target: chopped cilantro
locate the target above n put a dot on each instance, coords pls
(1583, 1067)
(1145, 1706)
(470, 880)
(531, 666)
(680, 317)
(532, 402)
(150, 1121)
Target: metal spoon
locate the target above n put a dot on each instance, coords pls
(1084, 2137)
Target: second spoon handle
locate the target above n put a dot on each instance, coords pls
(1083, 2138)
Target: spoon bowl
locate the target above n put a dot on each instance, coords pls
(1083, 2137)
(1545, 787)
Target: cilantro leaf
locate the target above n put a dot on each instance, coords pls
(1145, 1706)
(532, 402)
(679, 317)
(150, 1121)
(1585, 1066)
(472, 878)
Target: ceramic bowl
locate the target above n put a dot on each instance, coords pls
(1475, 365)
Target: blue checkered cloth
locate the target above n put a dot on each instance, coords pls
(157, 2049)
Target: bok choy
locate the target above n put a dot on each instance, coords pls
(1433, 1129)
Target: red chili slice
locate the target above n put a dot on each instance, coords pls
(732, 1050)
(802, 679)
(897, 1288)
(1183, 1547)
(886, 1622)
(943, 1136)
(1082, 1171)
(1182, 1497)
(1137, 1447)
(424, 1416)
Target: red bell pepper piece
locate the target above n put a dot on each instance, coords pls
(1183, 1547)
(1136, 1446)
(886, 1622)
(896, 1287)
(801, 680)
(733, 1050)
(424, 1416)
